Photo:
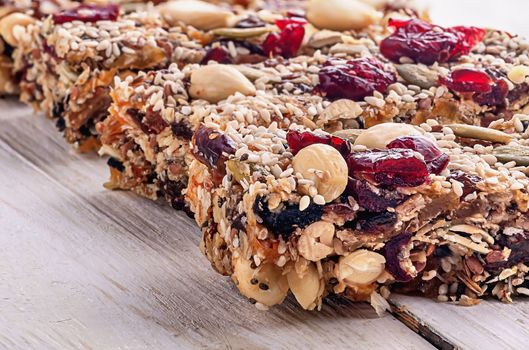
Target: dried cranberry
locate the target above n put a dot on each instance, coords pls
(210, 147)
(435, 160)
(392, 252)
(87, 13)
(217, 54)
(373, 200)
(287, 42)
(485, 89)
(150, 122)
(354, 79)
(298, 140)
(469, 181)
(427, 43)
(286, 218)
(392, 167)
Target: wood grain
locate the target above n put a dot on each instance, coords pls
(82, 267)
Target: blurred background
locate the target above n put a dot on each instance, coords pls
(509, 15)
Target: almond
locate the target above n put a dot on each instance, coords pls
(307, 288)
(325, 166)
(216, 82)
(361, 267)
(199, 14)
(380, 135)
(10, 22)
(341, 15)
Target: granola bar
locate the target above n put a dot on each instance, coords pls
(72, 63)
(437, 209)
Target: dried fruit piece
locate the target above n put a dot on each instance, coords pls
(469, 181)
(341, 15)
(354, 79)
(394, 167)
(87, 13)
(9, 22)
(427, 43)
(265, 284)
(217, 54)
(361, 267)
(198, 14)
(216, 82)
(485, 90)
(392, 251)
(325, 166)
(287, 217)
(298, 140)
(378, 136)
(371, 198)
(287, 42)
(435, 160)
(210, 147)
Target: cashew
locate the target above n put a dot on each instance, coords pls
(341, 15)
(316, 241)
(266, 284)
(199, 14)
(325, 166)
(307, 288)
(361, 267)
(216, 82)
(10, 22)
(380, 135)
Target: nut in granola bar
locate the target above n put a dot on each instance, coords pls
(518, 74)
(341, 15)
(361, 267)
(316, 241)
(378, 136)
(9, 23)
(264, 284)
(325, 166)
(216, 82)
(306, 286)
(199, 14)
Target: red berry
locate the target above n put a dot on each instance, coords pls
(485, 89)
(87, 13)
(436, 161)
(298, 140)
(287, 42)
(427, 43)
(392, 167)
(218, 54)
(354, 79)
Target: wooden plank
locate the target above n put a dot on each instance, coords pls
(82, 267)
(489, 325)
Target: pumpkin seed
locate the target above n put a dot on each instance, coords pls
(480, 133)
(241, 33)
(324, 38)
(518, 154)
(418, 75)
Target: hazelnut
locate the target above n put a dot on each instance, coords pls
(518, 74)
(265, 284)
(361, 267)
(380, 135)
(325, 166)
(307, 287)
(316, 241)
(10, 22)
(199, 14)
(341, 15)
(216, 82)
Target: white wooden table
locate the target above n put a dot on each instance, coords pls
(86, 268)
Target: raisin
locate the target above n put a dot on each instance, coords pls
(392, 252)
(210, 147)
